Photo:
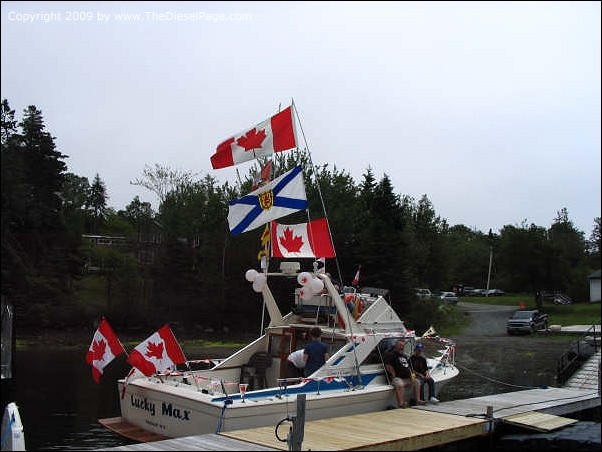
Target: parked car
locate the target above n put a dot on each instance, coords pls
(466, 291)
(449, 297)
(527, 321)
(494, 293)
(423, 293)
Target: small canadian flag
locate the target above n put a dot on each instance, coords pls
(105, 347)
(158, 352)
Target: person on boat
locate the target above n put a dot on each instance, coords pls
(315, 353)
(420, 367)
(295, 364)
(397, 364)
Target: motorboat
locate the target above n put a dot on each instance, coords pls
(251, 388)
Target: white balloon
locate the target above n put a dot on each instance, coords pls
(317, 285)
(251, 274)
(261, 278)
(303, 278)
(306, 293)
(258, 285)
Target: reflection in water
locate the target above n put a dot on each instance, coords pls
(60, 403)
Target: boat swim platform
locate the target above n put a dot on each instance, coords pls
(416, 428)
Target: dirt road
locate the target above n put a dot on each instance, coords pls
(491, 361)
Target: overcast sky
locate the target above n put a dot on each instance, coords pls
(491, 110)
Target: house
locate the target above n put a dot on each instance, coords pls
(594, 286)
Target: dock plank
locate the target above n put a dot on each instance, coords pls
(384, 430)
(540, 422)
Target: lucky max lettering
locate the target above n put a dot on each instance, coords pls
(167, 409)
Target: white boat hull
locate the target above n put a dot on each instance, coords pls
(174, 413)
(179, 411)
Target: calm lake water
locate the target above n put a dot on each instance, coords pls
(60, 403)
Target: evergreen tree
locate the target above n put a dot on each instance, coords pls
(97, 203)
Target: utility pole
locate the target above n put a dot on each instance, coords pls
(490, 260)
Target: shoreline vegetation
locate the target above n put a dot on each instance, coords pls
(81, 338)
(573, 314)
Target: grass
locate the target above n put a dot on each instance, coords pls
(560, 314)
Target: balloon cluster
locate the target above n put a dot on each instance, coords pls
(259, 280)
(310, 285)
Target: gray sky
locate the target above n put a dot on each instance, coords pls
(491, 109)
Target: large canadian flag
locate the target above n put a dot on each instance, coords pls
(158, 352)
(104, 348)
(275, 134)
(302, 240)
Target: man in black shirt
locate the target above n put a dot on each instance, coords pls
(399, 370)
(420, 368)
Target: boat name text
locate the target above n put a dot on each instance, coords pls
(167, 409)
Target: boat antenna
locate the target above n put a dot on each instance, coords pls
(317, 184)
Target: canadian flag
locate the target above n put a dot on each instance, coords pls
(275, 134)
(302, 240)
(158, 352)
(104, 348)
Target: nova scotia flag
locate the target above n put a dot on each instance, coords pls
(283, 196)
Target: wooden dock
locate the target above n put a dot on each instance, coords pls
(398, 429)
(411, 429)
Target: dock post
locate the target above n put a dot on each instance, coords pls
(295, 438)
(490, 419)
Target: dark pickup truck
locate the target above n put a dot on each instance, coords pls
(526, 321)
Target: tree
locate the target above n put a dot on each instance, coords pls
(140, 215)
(42, 173)
(40, 258)
(97, 203)
(74, 195)
(594, 244)
(161, 180)
(568, 262)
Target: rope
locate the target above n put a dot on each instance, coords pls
(220, 422)
(314, 170)
(499, 381)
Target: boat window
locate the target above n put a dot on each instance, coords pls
(279, 344)
(373, 358)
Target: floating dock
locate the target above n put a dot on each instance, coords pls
(410, 429)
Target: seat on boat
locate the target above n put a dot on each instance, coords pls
(254, 372)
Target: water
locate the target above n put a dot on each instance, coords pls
(60, 403)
